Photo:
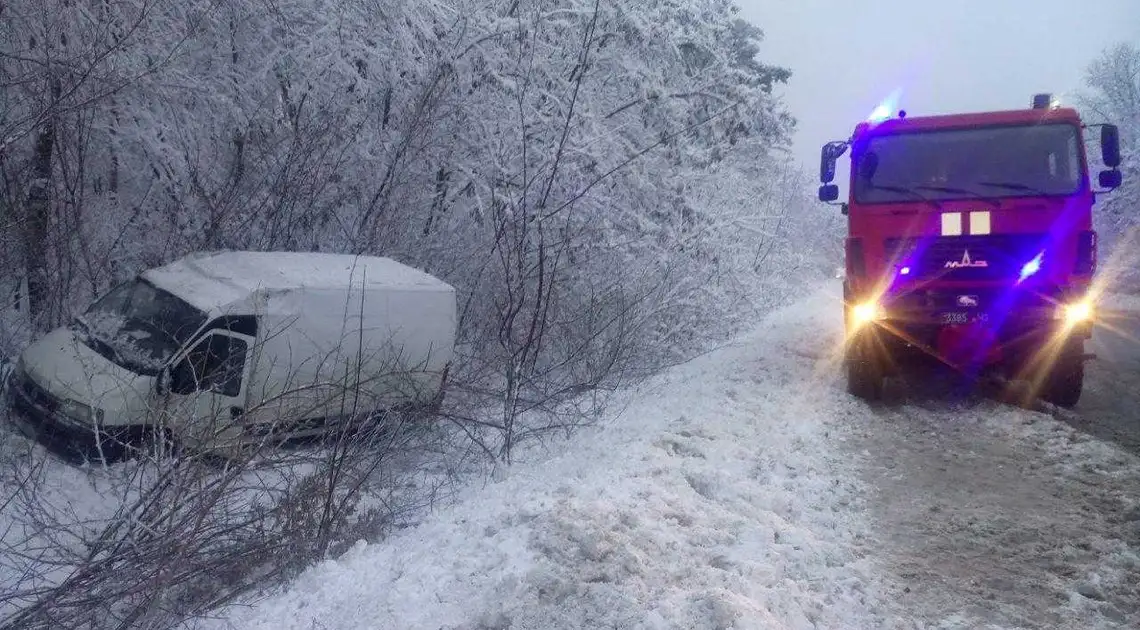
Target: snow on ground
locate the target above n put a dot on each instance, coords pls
(84, 496)
(745, 489)
(715, 500)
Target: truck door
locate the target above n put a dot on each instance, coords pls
(208, 386)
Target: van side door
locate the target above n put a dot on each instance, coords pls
(209, 385)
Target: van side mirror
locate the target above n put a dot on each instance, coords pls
(1110, 145)
(182, 379)
(828, 192)
(162, 382)
(1110, 179)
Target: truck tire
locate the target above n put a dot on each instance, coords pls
(865, 373)
(1066, 378)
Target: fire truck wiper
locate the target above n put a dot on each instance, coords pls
(909, 191)
(1014, 186)
(963, 191)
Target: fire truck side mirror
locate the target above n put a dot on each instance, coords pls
(831, 152)
(1110, 179)
(1110, 145)
(826, 166)
(828, 192)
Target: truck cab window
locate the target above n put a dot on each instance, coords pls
(216, 364)
(1000, 161)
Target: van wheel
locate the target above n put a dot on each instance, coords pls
(1066, 379)
(865, 374)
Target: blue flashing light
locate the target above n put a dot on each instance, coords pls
(905, 271)
(886, 108)
(1031, 267)
(880, 113)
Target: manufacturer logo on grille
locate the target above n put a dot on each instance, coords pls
(966, 262)
(967, 300)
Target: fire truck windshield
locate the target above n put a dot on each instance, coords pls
(991, 162)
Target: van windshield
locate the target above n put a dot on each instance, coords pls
(989, 162)
(139, 326)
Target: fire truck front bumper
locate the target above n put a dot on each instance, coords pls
(964, 327)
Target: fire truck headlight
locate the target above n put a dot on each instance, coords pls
(1076, 313)
(866, 312)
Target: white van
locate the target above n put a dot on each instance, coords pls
(224, 350)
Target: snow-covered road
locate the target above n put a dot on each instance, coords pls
(745, 489)
(994, 516)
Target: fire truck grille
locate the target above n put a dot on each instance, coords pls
(991, 257)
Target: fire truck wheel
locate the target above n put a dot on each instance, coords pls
(1065, 381)
(864, 373)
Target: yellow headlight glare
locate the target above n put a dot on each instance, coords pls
(1076, 313)
(866, 312)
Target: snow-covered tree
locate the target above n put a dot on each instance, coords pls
(1114, 80)
(419, 130)
(551, 158)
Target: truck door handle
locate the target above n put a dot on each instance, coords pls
(236, 412)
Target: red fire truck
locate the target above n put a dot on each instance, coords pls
(970, 240)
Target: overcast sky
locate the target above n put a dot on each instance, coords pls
(961, 55)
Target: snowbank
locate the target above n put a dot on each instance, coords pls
(713, 501)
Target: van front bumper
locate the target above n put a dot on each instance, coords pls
(35, 413)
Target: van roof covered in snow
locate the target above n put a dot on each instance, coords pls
(216, 279)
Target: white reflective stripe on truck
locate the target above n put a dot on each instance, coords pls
(979, 223)
(952, 224)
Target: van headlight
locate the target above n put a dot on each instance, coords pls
(11, 370)
(80, 412)
(15, 370)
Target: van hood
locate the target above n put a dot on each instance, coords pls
(67, 368)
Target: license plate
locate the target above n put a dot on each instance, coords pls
(963, 317)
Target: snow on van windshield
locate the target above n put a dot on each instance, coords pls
(140, 326)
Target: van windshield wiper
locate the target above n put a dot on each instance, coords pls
(963, 191)
(909, 191)
(1014, 186)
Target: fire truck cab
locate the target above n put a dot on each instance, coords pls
(970, 240)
